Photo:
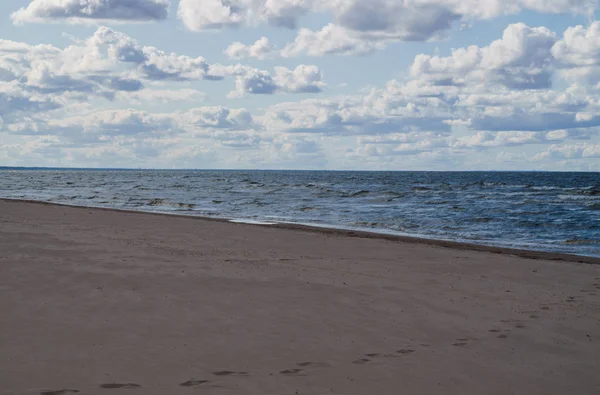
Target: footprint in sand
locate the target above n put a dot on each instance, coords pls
(520, 326)
(199, 384)
(59, 392)
(313, 364)
(494, 330)
(463, 342)
(378, 355)
(571, 299)
(193, 383)
(361, 361)
(398, 354)
(291, 372)
(545, 308)
(502, 336)
(230, 373)
(119, 385)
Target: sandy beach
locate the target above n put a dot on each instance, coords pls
(106, 302)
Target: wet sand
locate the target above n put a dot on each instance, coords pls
(107, 302)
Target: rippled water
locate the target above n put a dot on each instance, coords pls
(541, 211)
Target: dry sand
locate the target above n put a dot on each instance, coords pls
(91, 300)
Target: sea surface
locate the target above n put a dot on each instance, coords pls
(558, 212)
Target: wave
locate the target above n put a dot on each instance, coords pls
(582, 242)
(365, 224)
(437, 202)
(166, 203)
(482, 219)
(355, 194)
(156, 202)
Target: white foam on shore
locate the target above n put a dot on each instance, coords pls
(251, 222)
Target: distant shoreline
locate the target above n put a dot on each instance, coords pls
(365, 234)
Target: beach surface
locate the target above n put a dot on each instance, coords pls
(106, 302)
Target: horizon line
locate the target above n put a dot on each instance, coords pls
(297, 170)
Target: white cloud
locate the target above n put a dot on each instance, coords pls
(479, 100)
(163, 96)
(303, 79)
(566, 151)
(331, 40)
(261, 49)
(406, 20)
(578, 53)
(111, 65)
(357, 26)
(103, 124)
(522, 59)
(200, 15)
(151, 63)
(217, 117)
(82, 10)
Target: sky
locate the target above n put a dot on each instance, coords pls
(301, 84)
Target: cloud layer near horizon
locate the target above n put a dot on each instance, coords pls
(97, 100)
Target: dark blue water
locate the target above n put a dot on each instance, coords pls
(541, 211)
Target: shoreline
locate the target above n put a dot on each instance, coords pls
(364, 234)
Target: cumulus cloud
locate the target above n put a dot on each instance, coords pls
(124, 136)
(198, 15)
(111, 65)
(380, 112)
(570, 151)
(578, 53)
(163, 96)
(358, 26)
(405, 20)
(104, 124)
(478, 99)
(521, 59)
(218, 117)
(99, 127)
(82, 10)
(261, 49)
(500, 92)
(303, 79)
(331, 40)
(151, 62)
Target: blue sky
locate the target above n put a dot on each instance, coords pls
(301, 84)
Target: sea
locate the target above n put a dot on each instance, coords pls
(543, 211)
